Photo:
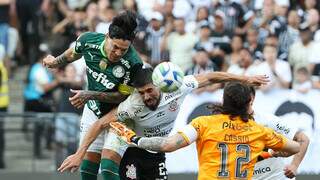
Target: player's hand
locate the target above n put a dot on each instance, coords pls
(124, 132)
(79, 99)
(290, 171)
(258, 80)
(49, 61)
(71, 163)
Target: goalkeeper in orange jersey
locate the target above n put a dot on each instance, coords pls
(228, 142)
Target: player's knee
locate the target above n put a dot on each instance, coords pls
(111, 155)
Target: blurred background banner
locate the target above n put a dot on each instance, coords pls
(296, 110)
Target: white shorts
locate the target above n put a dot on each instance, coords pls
(105, 140)
(270, 169)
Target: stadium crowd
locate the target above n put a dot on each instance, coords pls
(279, 38)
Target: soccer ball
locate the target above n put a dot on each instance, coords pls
(167, 76)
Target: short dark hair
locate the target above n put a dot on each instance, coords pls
(303, 70)
(142, 77)
(236, 99)
(123, 26)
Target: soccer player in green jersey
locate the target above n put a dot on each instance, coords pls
(111, 62)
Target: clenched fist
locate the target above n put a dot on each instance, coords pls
(49, 61)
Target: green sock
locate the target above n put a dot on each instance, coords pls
(109, 170)
(89, 170)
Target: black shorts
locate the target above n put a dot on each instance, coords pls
(140, 164)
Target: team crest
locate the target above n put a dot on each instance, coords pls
(118, 71)
(131, 172)
(103, 64)
(173, 106)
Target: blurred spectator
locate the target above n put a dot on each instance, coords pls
(202, 16)
(67, 6)
(268, 22)
(204, 38)
(67, 125)
(4, 104)
(253, 45)
(312, 21)
(106, 18)
(37, 94)
(274, 41)
(202, 63)
(293, 27)
(278, 70)
(92, 16)
(153, 38)
(28, 12)
(167, 11)
(305, 52)
(235, 19)
(236, 45)
(180, 44)
(221, 40)
(302, 82)
(131, 5)
(245, 65)
(9, 35)
(220, 36)
(69, 29)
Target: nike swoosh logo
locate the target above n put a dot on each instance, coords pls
(145, 115)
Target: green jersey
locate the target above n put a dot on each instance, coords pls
(104, 76)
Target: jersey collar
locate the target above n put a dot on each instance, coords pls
(102, 48)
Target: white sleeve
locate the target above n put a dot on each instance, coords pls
(275, 123)
(189, 133)
(189, 84)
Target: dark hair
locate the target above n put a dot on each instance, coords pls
(123, 26)
(303, 70)
(236, 99)
(142, 77)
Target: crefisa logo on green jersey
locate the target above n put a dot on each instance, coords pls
(101, 78)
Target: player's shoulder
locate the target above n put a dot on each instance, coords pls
(135, 100)
(132, 56)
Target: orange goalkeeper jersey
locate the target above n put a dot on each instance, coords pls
(228, 149)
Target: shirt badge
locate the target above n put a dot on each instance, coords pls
(103, 64)
(118, 71)
(131, 172)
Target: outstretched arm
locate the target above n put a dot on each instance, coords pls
(80, 97)
(303, 140)
(221, 77)
(163, 144)
(160, 144)
(73, 162)
(67, 57)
